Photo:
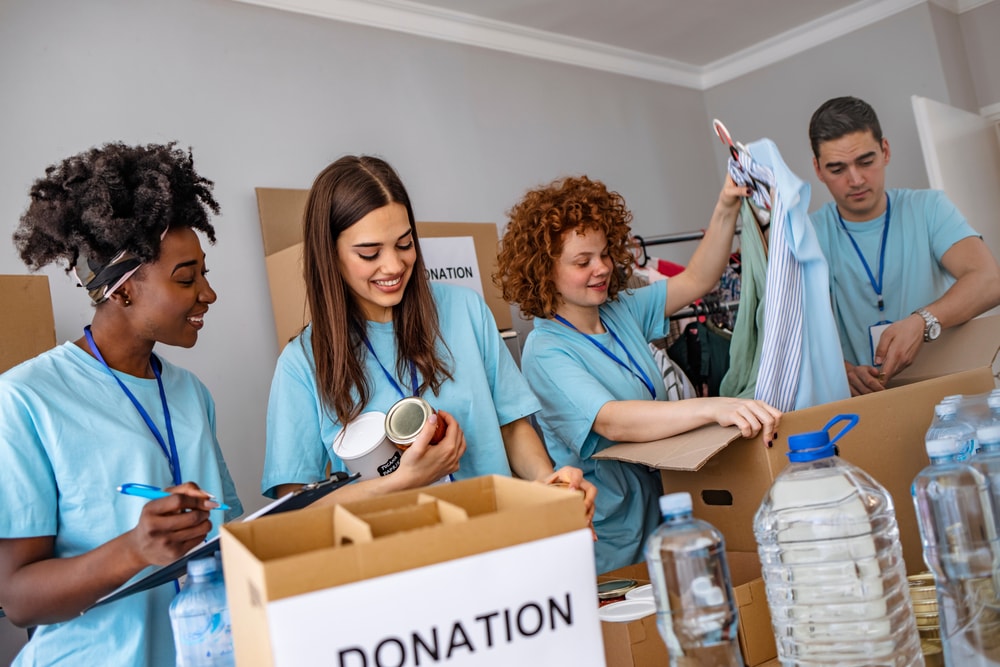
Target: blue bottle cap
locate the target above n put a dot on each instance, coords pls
(805, 447)
(201, 567)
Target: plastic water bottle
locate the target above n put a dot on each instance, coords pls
(832, 563)
(695, 608)
(947, 424)
(987, 457)
(199, 617)
(958, 530)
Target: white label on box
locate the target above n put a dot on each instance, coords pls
(452, 259)
(530, 604)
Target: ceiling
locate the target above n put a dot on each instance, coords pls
(692, 43)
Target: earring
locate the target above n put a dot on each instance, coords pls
(126, 301)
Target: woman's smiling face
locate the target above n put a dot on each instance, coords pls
(376, 256)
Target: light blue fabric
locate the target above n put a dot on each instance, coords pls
(487, 392)
(801, 355)
(573, 380)
(68, 438)
(924, 225)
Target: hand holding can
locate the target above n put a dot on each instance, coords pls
(406, 418)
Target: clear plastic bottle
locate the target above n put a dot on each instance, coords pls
(954, 511)
(199, 617)
(695, 608)
(947, 424)
(987, 458)
(832, 562)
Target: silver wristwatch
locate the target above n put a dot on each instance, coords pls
(932, 328)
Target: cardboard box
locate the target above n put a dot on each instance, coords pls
(486, 571)
(463, 253)
(27, 328)
(638, 644)
(728, 476)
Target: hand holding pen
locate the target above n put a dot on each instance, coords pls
(152, 492)
(171, 524)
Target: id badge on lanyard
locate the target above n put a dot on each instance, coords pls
(875, 332)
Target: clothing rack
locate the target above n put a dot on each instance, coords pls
(672, 238)
(708, 308)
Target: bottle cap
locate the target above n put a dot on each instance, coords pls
(805, 447)
(939, 447)
(675, 503)
(201, 567)
(626, 611)
(993, 400)
(706, 594)
(988, 434)
(946, 408)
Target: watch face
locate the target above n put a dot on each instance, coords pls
(933, 331)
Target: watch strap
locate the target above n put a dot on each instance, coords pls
(929, 321)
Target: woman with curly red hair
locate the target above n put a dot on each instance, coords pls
(564, 260)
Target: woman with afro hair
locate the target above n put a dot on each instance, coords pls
(564, 260)
(89, 415)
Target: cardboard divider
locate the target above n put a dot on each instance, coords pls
(350, 528)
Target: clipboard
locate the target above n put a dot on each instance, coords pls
(304, 497)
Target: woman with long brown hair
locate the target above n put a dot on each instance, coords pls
(381, 331)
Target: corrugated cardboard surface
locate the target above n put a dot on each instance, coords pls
(27, 327)
(277, 557)
(281, 212)
(888, 441)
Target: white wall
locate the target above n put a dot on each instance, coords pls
(884, 64)
(268, 98)
(980, 27)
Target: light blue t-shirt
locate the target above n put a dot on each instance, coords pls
(68, 438)
(573, 379)
(923, 226)
(487, 391)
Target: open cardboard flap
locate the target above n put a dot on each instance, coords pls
(281, 210)
(972, 345)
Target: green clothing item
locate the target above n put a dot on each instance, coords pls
(748, 332)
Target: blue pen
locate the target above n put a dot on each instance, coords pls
(151, 492)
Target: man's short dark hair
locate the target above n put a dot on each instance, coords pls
(840, 116)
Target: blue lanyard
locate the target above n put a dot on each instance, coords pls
(392, 380)
(171, 451)
(633, 368)
(877, 286)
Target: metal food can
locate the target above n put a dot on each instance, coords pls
(406, 418)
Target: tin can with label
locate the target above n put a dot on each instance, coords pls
(406, 418)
